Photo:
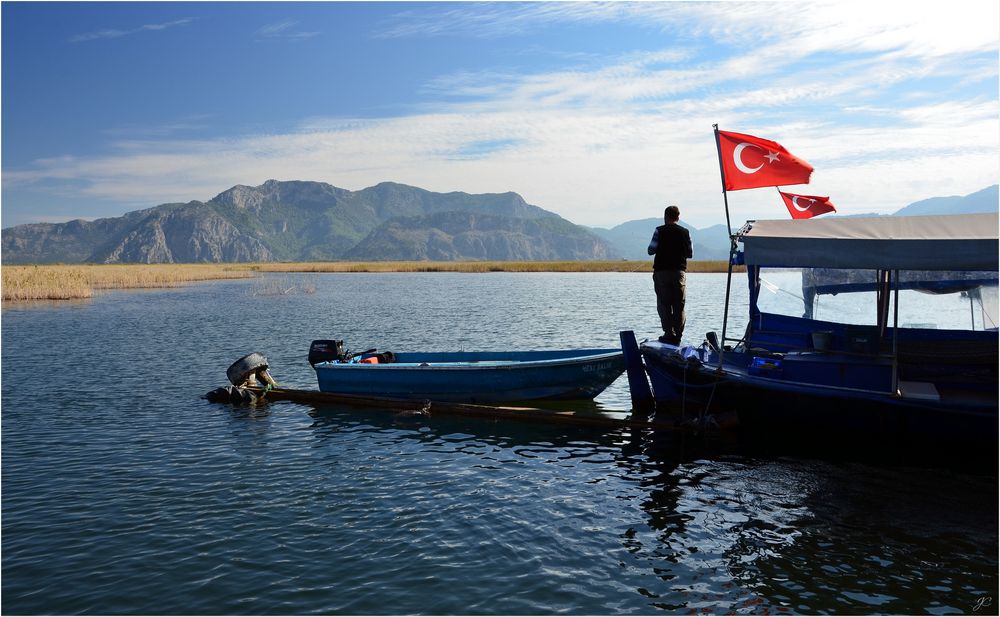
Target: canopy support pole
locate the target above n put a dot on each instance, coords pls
(882, 292)
(895, 333)
(725, 310)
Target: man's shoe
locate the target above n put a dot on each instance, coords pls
(665, 339)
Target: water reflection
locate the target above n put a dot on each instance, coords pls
(722, 532)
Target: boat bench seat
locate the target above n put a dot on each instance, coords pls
(949, 361)
(922, 390)
(950, 352)
(838, 369)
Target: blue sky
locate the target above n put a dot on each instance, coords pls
(600, 112)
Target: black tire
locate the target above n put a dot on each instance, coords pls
(245, 366)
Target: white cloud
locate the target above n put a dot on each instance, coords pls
(113, 33)
(916, 29)
(592, 167)
(605, 144)
(285, 29)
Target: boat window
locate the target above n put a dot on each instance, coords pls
(942, 300)
(988, 300)
(792, 292)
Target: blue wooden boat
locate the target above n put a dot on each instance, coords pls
(869, 377)
(476, 376)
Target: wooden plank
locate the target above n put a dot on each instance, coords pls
(529, 414)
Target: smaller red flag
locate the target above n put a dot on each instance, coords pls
(806, 206)
(750, 162)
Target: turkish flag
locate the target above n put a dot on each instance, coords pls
(806, 206)
(750, 162)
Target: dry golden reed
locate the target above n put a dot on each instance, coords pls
(480, 266)
(64, 282)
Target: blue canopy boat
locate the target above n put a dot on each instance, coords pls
(471, 377)
(863, 374)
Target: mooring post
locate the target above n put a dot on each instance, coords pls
(642, 398)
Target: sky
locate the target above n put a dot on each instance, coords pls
(600, 112)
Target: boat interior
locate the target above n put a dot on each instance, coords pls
(957, 365)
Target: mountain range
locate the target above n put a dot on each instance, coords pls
(315, 221)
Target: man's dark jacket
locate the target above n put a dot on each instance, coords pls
(673, 247)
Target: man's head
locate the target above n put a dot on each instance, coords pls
(672, 214)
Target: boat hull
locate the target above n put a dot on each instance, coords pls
(479, 377)
(811, 411)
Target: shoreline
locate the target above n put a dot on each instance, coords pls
(25, 283)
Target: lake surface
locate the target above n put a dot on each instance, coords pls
(124, 492)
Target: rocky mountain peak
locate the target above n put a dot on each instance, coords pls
(307, 221)
(242, 197)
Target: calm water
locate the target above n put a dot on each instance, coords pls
(123, 492)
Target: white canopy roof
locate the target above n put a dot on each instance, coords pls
(951, 242)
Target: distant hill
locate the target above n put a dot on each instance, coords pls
(631, 239)
(313, 221)
(454, 235)
(986, 200)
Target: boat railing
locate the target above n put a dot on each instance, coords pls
(831, 352)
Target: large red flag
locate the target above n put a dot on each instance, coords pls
(750, 162)
(806, 206)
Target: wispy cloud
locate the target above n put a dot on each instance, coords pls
(922, 29)
(164, 129)
(499, 19)
(600, 142)
(593, 166)
(286, 29)
(112, 33)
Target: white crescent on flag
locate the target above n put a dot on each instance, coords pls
(738, 158)
(795, 204)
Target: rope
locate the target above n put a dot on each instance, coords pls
(703, 411)
(684, 393)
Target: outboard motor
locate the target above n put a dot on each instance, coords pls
(326, 351)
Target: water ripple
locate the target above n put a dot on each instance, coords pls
(125, 493)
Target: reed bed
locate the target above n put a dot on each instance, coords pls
(481, 266)
(65, 282)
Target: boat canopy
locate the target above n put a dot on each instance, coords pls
(945, 242)
(836, 281)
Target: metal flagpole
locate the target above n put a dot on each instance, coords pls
(732, 246)
(722, 176)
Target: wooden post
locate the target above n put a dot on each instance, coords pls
(638, 386)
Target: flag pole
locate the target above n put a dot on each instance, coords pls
(722, 176)
(732, 247)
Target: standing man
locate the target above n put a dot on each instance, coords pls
(671, 244)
